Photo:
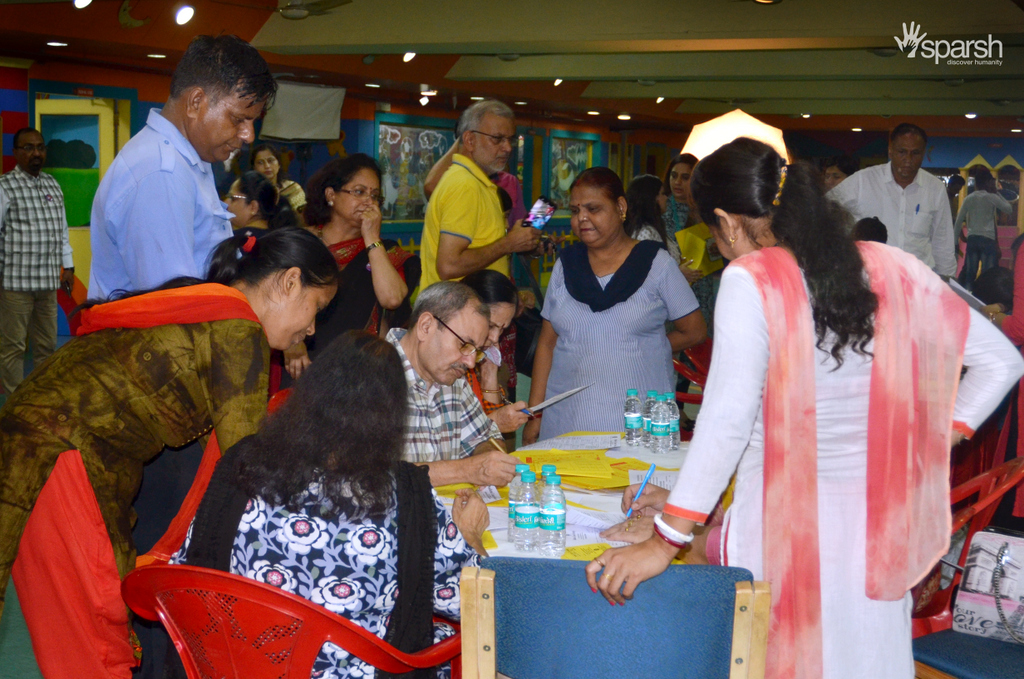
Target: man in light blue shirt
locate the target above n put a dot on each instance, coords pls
(156, 214)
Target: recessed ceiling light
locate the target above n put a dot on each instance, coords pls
(970, 116)
(57, 44)
(623, 116)
(429, 93)
(856, 129)
(805, 115)
(424, 101)
(476, 98)
(82, 4)
(408, 56)
(372, 85)
(184, 15)
(767, 2)
(520, 103)
(157, 56)
(659, 100)
(558, 81)
(593, 113)
(1015, 130)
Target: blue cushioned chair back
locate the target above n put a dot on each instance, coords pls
(549, 624)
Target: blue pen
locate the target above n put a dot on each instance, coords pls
(917, 209)
(642, 486)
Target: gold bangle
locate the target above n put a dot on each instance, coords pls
(492, 391)
(378, 244)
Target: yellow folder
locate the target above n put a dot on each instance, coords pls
(697, 243)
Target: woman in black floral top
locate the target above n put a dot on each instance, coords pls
(333, 515)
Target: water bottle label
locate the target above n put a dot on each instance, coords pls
(633, 422)
(511, 510)
(526, 516)
(647, 424)
(552, 518)
(660, 429)
(673, 426)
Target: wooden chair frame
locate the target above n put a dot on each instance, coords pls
(479, 656)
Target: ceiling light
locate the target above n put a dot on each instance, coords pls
(82, 4)
(659, 100)
(57, 44)
(856, 129)
(520, 103)
(476, 98)
(1014, 130)
(593, 113)
(424, 101)
(157, 56)
(408, 56)
(184, 15)
(429, 93)
(375, 85)
(558, 81)
(970, 116)
(767, 2)
(623, 116)
(805, 115)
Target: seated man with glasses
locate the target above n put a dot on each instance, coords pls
(448, 429)
(464, 229)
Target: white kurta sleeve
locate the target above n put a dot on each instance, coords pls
(732, 397)
(993, 366)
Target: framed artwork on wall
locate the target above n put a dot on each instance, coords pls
(407, 148)
(568, 158)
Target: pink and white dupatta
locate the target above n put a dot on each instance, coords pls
(920, 330)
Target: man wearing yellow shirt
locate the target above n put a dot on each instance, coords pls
(464, 229)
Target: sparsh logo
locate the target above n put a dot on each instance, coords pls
(957, 52)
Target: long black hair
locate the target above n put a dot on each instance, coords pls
(343, 427)
(743, 178)
(642, 206)
(335, 175)
(277, 212)
(239, 259)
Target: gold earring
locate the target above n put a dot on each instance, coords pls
(732, 240)
(331, 203)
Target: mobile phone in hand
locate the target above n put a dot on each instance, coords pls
(540, 213)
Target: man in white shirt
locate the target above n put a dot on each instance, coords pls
(912, 204)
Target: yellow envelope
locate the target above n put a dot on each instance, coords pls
(585, 552)
(696, 243)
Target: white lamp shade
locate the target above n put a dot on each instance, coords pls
(706, 138)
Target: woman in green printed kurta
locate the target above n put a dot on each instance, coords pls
(158, 369)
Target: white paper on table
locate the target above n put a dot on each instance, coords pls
(499, 518)
(588, 519)
(560, 397)
(584, 442)
(661, 479)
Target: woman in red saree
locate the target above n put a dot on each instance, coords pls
(834, 395)
(147, 371)
(343, 209)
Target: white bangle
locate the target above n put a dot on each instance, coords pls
(671, 532)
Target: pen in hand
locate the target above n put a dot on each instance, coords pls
(643, 485)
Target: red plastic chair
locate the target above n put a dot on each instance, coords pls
(933, 605)
(227, 626)
(700, 356)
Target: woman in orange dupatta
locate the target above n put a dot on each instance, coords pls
(833, 395)
(343, 209)
(149, 371)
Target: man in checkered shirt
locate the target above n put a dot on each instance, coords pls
(448, 429)
(33, 248)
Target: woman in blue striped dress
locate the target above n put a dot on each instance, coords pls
(604, 316)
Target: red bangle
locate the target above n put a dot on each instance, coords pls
(660, 534)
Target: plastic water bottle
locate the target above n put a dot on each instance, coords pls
(513, 498)
(552, 518)
(660, 426)
(546, 470)
(634, 413)
(652, 396)
(673, 420)
(527, 514)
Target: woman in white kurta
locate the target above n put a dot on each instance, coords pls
(860, 636)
